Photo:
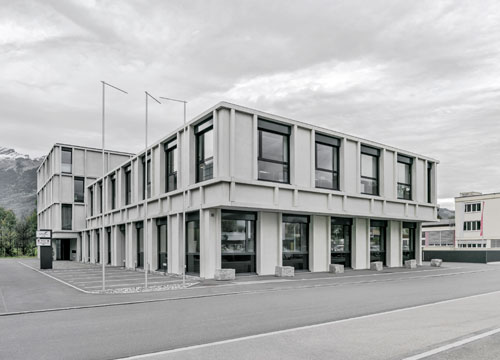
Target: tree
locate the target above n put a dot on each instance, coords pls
(7, 232)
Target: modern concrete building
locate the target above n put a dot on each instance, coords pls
(243, 189)
(477, 220)
(61, 200)
(439, 234)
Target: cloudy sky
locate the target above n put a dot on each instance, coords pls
(421, 75)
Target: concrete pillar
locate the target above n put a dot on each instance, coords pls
(319, 258)
(150, 258)
(268, 242)
(394, 256)
(360, 244)
(130, 244)
(92, 246)
(78, 247)
(208, 233)
(175, 244)
(418, 244)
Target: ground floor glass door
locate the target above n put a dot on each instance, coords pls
(140, 244)
(98, 241)
(161, 227)
(341, 241)
(193, 243)
(238, 241)
(408, 241)
(378, 241)
(109, 246)
(295, 240)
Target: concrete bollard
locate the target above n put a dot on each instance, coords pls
(284, 271)
(336, 268)
(377, 266)
(411, 264)
(225, 274)
(436, 262)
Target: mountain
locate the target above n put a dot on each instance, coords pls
(444, 213)
(18, 181)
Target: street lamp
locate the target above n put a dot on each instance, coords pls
(145, 240)
(104, 84)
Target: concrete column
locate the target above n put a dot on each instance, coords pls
(152, 246)
(78, 247)
(268, 241)
(92, 246)
(175, 244)
(418, 244)
(130, 237)
(318, 244)
(361, 244)
(394, 256)
(208, 233)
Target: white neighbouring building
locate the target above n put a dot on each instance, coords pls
(477, 218)
(61, 200)
(243, 189)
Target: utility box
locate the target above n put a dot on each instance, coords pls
(44, 241)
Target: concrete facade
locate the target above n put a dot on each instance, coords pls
(56, 187)
(235, 185)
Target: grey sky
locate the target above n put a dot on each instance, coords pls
(421, 75)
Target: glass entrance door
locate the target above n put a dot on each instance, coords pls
(140, 244)
(238, 241)
(341, 241)
(109, 246)
(296, 241)
(161, 227)
(193, 243)
(377, 241)
(408, 241)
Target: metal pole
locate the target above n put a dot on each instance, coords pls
(102, 195)
(101, 235)
(145, 241)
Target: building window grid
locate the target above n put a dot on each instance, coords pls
(333, 171)
(472, 207)
(370, 182)
(472, 225)
(404, 177)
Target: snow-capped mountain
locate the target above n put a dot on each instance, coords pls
(18, 181)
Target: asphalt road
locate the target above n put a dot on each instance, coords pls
(219, 313)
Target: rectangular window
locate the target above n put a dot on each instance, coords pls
(171, 166)
(429, 183)
(66, 160)
(193, 243)
(204, 150)
(66, 217)
(79, 184)
(369, 170)
(238, 241)
(92, 201)
(113, 192)
(146, 181)
(161, 228)
(140, 244)
(404, 177)
(476, 207)
(274, 152)
(472, 225)
(296, 241)
(327, 162)
(128, 185)
(101, 209)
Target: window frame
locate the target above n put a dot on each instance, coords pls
(171, 148)
(70, 207)
(429, 183)
(408, 161)
(277, 129)
(75, 199)
(334, 143)
(70, 151)
(113, 191)
(370, 151)
(200, 131)
(128, 184)
(146, 172)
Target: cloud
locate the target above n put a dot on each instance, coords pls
(422, 76)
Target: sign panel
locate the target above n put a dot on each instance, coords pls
(43, 242)
(44, 234)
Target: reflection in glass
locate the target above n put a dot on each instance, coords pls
(369, 174)
(273, 156)
(341, 244)
(162, 247)
(205, 155)
(273, 171)
(295, 245)
(193, 246)
(140, 247)
(238, 244)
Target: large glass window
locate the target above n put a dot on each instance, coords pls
(377, 240)
(161, 228)
(92, 201)
(193, 243)
(296, 241)
(146, 179)
(98, 243)
(408, 241)
(108, 233)
(113, 192)
(341, 241)
(327, 162)
(404, 177)
(79, 185)
(238, 241)
(66, 160)
(274, 149)
(204, 151)
(140, 243)
(66, 216)
(429, 182)
(128, 185)
(171, 166)
(369, 170)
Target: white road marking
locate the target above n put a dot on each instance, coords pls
(453, 345)
(300, 328)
